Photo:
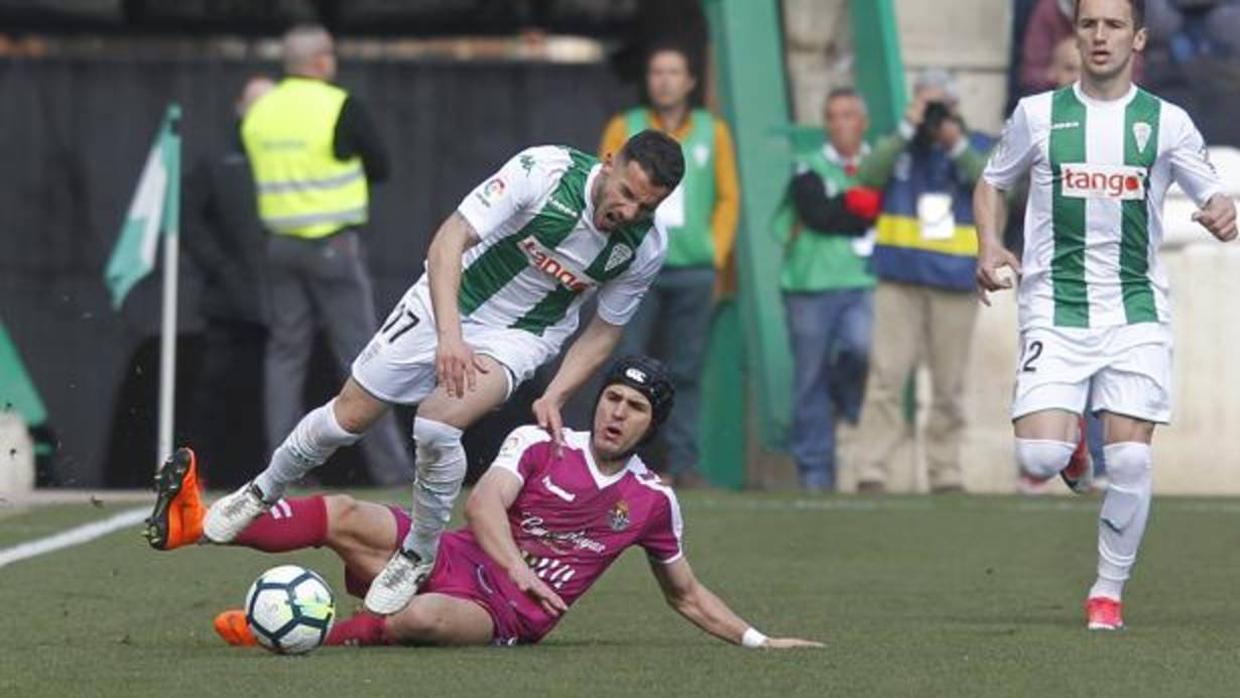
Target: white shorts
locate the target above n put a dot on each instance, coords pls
(1124, 370)
(398, 364)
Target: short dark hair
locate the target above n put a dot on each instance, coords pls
(1138, 12)
(658, 154)
(837, 92)
(670, 46)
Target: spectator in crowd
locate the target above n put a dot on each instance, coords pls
(227, 243)
(1192, 29)
(1049, 25)
(828, 286)
(673, 323)
(926, 251)
(314, 152)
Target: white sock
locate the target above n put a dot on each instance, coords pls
(1042, 459)
(440, 466)
(315, 438)
(1125, 510)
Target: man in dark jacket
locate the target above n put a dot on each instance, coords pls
(226, 242)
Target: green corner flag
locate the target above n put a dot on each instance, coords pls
(155, 207)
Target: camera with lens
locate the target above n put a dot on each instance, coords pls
(934, 116)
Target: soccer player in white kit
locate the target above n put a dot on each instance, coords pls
(506, 275)
(1093, 295)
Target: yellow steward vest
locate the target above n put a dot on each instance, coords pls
(303, 190)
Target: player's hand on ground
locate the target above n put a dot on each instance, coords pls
(537, 589)
(990, 259)
(457, 366)
(788, 643)
(1219, 217)
(547, 412)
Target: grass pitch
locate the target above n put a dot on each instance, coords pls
(952, 596)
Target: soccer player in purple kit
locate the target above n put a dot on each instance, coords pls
(544, 523)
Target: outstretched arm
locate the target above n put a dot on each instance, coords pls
(456, 366)
(990, 214)
(586, 354)
(487, 514)
(1009, 163)
(701, 607)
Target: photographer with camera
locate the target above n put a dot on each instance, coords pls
(924, 258)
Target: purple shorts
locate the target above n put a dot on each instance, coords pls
(464, 571)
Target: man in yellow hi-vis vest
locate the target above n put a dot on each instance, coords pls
(314, 151)
(673, 323)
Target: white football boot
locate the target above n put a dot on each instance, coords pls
(229, 516)
(397, 583)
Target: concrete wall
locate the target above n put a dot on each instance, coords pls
(1197, 454)
(968, 36)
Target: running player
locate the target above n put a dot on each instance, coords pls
(506, 275)
(544, 524)
(1093, 296)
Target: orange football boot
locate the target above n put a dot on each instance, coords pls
(232, 628)
(177, 518)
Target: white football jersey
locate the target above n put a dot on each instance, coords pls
(1093, 224)
(540, 255)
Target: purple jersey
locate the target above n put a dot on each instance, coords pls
(571, 522)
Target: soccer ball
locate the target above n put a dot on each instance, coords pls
(290, 609)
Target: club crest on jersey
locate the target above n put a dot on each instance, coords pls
(1142, 131)
(545, 261)
(619, 255)
(618, 517)
(1085, 181)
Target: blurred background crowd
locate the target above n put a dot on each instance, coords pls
(816, 308)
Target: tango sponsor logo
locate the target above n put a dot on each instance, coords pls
(545, 261)
(1084, 181)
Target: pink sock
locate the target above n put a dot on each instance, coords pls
(361, 630)
(290, 524)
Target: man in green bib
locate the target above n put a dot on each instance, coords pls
(828, 286)
(700, 216)
(314, 151)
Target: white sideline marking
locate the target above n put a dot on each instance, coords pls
(73, 536)
(926, 503)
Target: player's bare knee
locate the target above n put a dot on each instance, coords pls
(342, 512)
(1042, 459)
(355, 409)
(416, 623)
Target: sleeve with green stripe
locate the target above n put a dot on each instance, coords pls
(519, 185)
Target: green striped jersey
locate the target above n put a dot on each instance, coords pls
(1093, 225)
(539, 256)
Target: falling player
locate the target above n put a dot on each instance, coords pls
(544, 525)
(506, 276)
(1094, 307)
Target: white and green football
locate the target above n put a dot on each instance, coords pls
(290, 609)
